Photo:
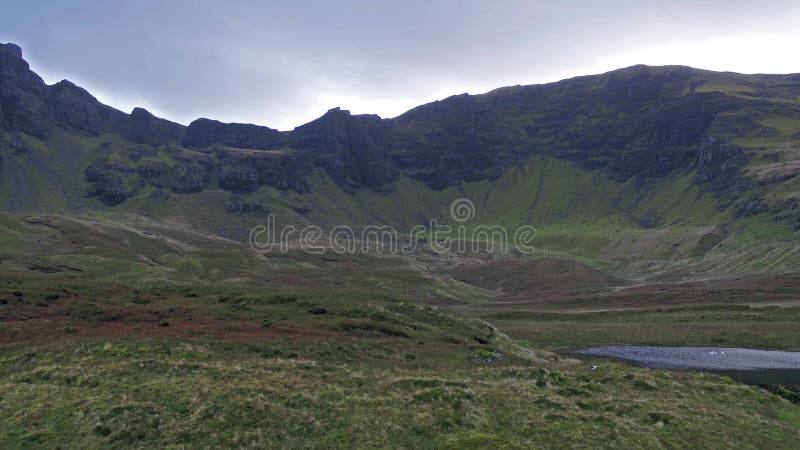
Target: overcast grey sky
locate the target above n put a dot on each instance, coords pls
(282, 64)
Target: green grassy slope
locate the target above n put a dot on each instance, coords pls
(181, 394)
(750, 202)
(577, 212)
(90, 362)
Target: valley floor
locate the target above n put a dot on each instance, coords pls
(120, 337)
(96, 365)
(746, 311)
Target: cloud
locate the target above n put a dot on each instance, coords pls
(283, 64)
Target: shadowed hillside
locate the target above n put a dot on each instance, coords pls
(654, 146)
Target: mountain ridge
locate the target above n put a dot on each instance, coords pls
(735, 134)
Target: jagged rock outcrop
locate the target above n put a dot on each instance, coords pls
(247, 170)
(714, 150)
(637, 123)
(22, 93)
(206, 132)
(112, 182)
(182, 178)
(12, 50)
(632, 88)
(668, 135)
(188, 178)
(143, 127)
(157, 174)
(459, 138)
(112, 190)
(788, 211)
(30, 106)
(719, 164)
(751, 207)
(234, 170)
(74, 106)
(353, 149)
(104, 168)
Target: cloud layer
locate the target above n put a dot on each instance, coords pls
(282, 64)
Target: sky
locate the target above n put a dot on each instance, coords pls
(282, 64)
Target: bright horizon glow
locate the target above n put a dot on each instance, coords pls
(747, 54)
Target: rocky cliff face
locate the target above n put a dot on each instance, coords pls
(235, 170)
(73, 106)
(205, 132)
(22, 93)
(144, 128)
(112, 183)
(245, 171)
(353, 149)
(639, 122)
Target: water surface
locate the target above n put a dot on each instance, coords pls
(757, 367)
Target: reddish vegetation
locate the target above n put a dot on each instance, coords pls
(27, 323)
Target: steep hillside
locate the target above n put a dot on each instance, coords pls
(644, 172)
(733, 137)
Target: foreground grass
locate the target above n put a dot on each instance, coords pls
(92, 364)
(145, 393)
